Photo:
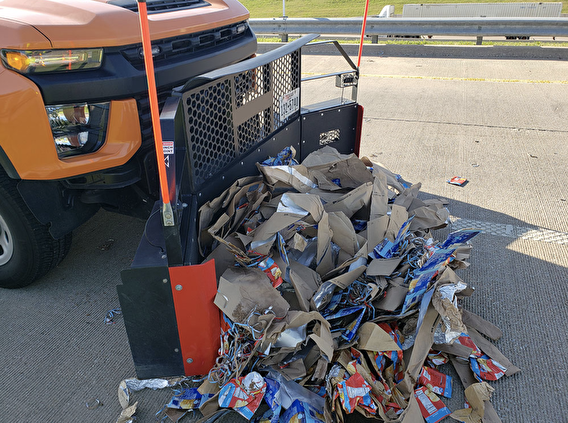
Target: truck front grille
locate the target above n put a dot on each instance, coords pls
(187, 44)
(160, 6)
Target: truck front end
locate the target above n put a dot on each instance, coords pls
(75, 130)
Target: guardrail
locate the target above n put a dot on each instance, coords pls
(376, 27)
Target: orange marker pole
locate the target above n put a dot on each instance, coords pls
(167, 212)
(363, 33)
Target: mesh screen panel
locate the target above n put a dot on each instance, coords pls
(229, 116)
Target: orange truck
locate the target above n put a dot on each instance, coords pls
(75, 131)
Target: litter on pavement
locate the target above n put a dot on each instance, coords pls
(336, 298)
(457, 180)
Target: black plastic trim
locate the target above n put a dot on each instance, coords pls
(7, 165)
(55, 206)
(112, 178)
(118, 78)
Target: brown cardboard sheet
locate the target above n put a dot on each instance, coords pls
(308, 202)
(422, 344)
(426, 218)
(305, 282)
(243, 289)
(481, 325)
(396, 293)
(331, 165)
(296, 176)
(324, 251)
(376, 232)
(476, 394)
(398, 216)
(373, 338)
(380, 196)
(353, 201)
(343, 233)
(392, 178)
(454, 349)
(383, 267)
(346, 279)
(407, 196)
(264, 235)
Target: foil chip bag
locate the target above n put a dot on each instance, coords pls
(432, 408)
(188, 399)
(243, 394)
(303, 412)
(436, 381)
(457, 180)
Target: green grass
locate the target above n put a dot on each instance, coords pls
(334, 8)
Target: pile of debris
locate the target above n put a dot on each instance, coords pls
(337, 299)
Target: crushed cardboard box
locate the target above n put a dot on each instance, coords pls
(337, 299)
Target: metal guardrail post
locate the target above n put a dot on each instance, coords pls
(284, 35)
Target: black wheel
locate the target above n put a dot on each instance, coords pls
(27, 250)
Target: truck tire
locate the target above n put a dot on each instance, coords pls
(27, 250)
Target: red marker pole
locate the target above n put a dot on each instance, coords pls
(363, 33)
(167, 213)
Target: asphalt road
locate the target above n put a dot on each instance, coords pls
(500, 120)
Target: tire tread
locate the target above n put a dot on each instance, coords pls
(50, 251)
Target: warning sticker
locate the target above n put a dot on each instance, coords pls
(168, 147)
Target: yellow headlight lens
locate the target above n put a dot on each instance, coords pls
(31, 61)
(17, 61)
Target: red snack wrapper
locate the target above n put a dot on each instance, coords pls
(483, 367)
(457, 180)
(436, 381)
(432, 408)
(354, 392)
(243, 394)
(272, 270)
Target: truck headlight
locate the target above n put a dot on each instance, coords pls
(78, 128)
(31, 61)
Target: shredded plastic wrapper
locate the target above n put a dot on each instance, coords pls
(285, 157)
(484, 368)
(188, 399)
(243, 394)
(302, 412)
(354, 392)
(333, 290)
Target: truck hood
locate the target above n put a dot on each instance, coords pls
(95, 23)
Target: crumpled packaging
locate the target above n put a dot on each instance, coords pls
(476, 395)
(127, 414)
(241, 290)
(365, 295)
(244, 394)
